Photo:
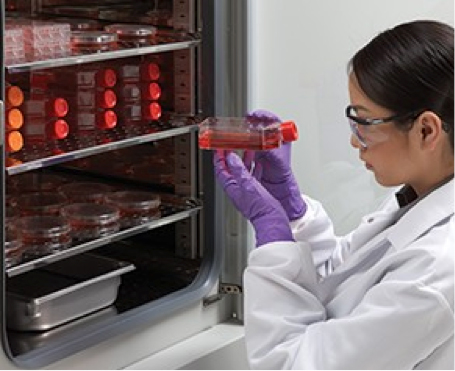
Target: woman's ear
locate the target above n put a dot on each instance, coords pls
(430, 130)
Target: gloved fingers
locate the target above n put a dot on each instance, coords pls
(262, 116)
(257, 171)
(219, 160)
(221, 167)
(237, 167)
(230, 169)
(276, 161)
(248, 159)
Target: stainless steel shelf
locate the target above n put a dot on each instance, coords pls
(123, 52)
(43, 155)
(192, 208)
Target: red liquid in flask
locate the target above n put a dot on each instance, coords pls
(231, 133)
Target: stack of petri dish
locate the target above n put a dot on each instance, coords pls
(43, 235)
(91, 220)
(136, 207)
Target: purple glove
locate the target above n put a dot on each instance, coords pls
(273, 169)
(251, 199)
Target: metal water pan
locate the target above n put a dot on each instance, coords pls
(21, 342)
(42, 299)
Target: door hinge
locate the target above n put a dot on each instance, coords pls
(223, 289)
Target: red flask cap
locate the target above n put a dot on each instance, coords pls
(58, 107)
(289, 131)
(153, 111)
(14, 96)
(14, 119)
(14, 141)
(152, 91)
(107, 78)
(107, 120)
(151, 72)
(59, 129)
(107, 99)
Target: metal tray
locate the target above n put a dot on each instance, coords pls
(21, 342)
(42, 299)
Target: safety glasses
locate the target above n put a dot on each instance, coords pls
(364, 129)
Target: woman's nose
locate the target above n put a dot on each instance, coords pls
(355, 142)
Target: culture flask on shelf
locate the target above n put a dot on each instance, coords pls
(93, 41)
(91, 76)
(138, 94)
(239, 133)
(44, 119)
(39, 131)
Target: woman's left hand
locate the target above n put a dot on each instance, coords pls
(252, 200)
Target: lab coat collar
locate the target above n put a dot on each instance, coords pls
(427, 212)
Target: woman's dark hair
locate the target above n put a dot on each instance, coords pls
(408, 69)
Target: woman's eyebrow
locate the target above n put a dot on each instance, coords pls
(359, 107)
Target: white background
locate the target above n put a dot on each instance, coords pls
(299, 50)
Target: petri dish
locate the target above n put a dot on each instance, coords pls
(90, 221)
(133, 33)
(41, 203)
(136, 207)
(85, 191)
(43, 235)
(93, 41)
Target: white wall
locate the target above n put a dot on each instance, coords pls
(299, 51)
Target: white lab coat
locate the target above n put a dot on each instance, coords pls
(379, 298)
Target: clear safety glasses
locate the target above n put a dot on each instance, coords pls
(365, 130)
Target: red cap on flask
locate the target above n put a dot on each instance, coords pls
(289, 131)
(106, 120)
(107, 99)
(152, 111)
(58, 129)
(152, 91)
(58, 107)
(150, 72)
(106, 78)
(14, 141)
(14, 119)
(14, 96)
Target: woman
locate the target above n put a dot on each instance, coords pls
(380, 297)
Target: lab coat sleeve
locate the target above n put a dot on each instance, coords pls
(315, 228)
(397, 323)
